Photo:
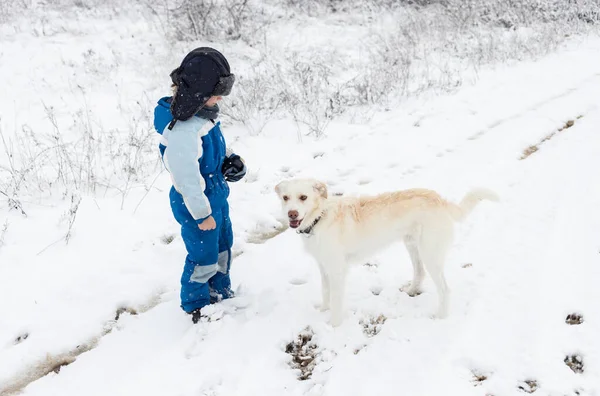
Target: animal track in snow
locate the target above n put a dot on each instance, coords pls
(575, 363)
(304, 352)
(298, 281)
(372, 326)
(19, 339)
(574, 319)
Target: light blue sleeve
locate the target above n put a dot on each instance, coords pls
(184, 149)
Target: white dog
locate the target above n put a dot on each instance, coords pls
(338, 231)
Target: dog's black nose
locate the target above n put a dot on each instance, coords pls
(293, 214)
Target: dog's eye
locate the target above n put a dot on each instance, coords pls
(303, 197)
(285, 197)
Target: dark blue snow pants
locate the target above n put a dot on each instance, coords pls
(205, 277)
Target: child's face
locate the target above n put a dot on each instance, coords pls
(213, 100)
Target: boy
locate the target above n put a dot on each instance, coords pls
(195, 154)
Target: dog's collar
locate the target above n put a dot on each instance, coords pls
(308, 230)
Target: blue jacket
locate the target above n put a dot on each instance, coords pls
(193, 153)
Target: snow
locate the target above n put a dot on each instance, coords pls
(534, 256)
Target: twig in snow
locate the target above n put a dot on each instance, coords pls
(3, 233)
(148, 191)
(72, 213)
(49, 246)
(14, 203)
(71, 216)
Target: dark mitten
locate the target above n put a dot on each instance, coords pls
(234, 168)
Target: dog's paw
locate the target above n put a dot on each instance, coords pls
(336, 319)
(410, 290)
(322, 307)
(298, 281)
(440, 314)
(413, 292)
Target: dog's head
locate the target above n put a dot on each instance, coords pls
(300, 197)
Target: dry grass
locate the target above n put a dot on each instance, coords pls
(478, 378)
(122, 310)
(168, 238)
(575, 363)
(529, 386)
(303, 351)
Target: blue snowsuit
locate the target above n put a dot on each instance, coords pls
(193, 153)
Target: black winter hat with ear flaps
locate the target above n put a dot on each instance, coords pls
(203, 73)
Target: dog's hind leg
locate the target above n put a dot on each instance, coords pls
(433, 247)
(414, 288)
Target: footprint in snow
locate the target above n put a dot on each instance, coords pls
(21, 338)
(304, 352)
(476, 135)
(575, 363)
(372, 325)
(411, 170)
(574, 319)
(376, 290)
(529, 386)
(167, 238)
(478, 378)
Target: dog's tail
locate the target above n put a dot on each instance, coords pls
(467, 204)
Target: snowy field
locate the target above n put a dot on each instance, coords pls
(90, 256)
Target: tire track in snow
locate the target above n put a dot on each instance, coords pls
(534, 148)
(508, 131)
(534, 278)
(54, 363)
(582, 84)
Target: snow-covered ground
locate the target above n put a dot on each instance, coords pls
(518, 267)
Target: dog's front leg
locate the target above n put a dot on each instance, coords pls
(325, 294)
(337, 284)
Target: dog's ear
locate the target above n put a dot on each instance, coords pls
(278, 187)
(321, 188)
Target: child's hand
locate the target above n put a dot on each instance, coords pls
(208, 224)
